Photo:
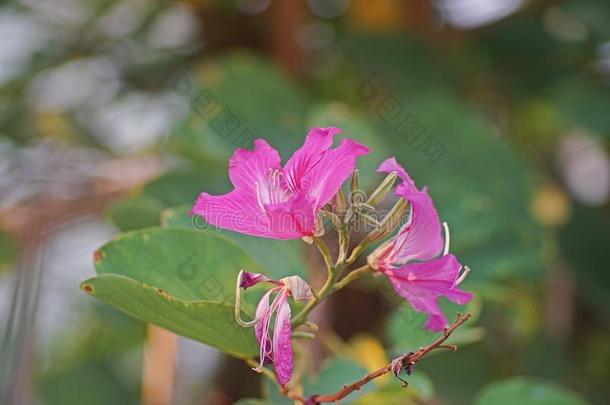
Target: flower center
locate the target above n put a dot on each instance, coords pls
(270, 190)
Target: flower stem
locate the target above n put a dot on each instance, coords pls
(325, 251)
(353, 275)
(325, 291)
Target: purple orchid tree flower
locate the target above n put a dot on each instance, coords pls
(277, 202)
(276, 349)
(417, 261)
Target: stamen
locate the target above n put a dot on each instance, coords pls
(463, 275)
(265, 335)
(258, 196)
(240, 321)
(447, 238)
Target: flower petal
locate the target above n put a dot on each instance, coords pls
(391, 165)
(282, 344)
(248, 167)
(324, 179)
(422, 301)
(421, 238)
(292, 219)
(422, 283)
(236, 211)
(261, 329)
(301, 291)
(318, 141)
(251, 279)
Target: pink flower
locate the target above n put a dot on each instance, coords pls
(281, 203)
(278, 349)
(417, 261)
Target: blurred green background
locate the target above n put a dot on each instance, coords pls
(114, 115)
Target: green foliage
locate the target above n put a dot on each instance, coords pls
(96, 361)
(209, 322)
(92, 383)
(262, 100)
(527, 391)
(179, 279)
(585, 243)
(487, 210)
(572, 96)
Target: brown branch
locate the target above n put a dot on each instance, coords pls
(407, 361)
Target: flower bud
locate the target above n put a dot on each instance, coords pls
(354, 187)
(390, 222)
(387, 225)
(382, 190)
(339, 203)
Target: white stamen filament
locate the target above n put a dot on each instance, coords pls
(258, 196)
(447, 238)
(463, 275)
(271, 310)
(240, 321)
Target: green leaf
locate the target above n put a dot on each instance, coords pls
(208, 322)
(179, 279)
(281, 257)
(527, 391)
(189, 265)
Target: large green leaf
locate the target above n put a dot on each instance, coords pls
(281, 257)
(180, 279)
(189, 265)
(208, 322)
(527, 391)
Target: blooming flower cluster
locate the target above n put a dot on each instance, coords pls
(412, 261)
(277, 202)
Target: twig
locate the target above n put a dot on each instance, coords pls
(407, 361)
